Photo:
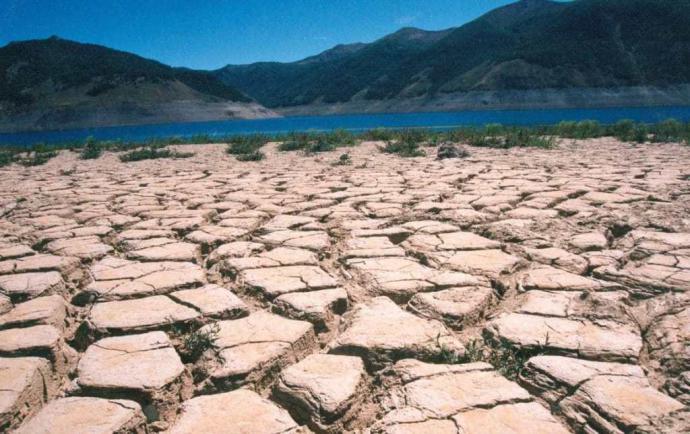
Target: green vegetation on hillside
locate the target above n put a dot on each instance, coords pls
(531, 44)
(28, 67)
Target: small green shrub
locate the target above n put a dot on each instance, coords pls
(195, 343)
(152, 153)
(6, 158)
(291, 146)
(511, 138)
(434, 140)
(39, 156)
(669, 131)
(254, 156)
(544, 142)
(246, 144)
(294, 142)
(343, 160)
(148, 153)
(623, 130)
(580, 130)
(508, 360)
(200, 139)
(321, 144)
(339, 138)
(417, 135)
(640, 134)
(92, 150)
(406, 145)
(482, 141)
(378, 135)
(494, 130)
(403, 149)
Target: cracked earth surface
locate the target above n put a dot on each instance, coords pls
(333, 292)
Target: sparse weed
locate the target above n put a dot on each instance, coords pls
(254, 156)
(668, 131)
(343, 160)
(152, 153)
(295, 142)
(378, 135)
(92, 149)
(246, 144)
(482, 141)
(39, 156)
(580, 130)
(544, 142)
(320, 145)
(507, 359)
(292, 146)
(194, 344)
(406, 142)
(341, 138)
(504, 138)
(406, 145)
(6, 158)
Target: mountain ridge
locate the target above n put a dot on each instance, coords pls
(528, 54)
(523, 46)
(55, 83)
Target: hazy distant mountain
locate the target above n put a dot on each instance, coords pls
(54, 83)
(616, 51)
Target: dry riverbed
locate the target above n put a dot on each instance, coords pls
(514, 291)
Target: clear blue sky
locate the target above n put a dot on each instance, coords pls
(208, 34)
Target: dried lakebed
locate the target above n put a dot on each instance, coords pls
(294, 296)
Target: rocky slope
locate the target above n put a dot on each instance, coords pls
(54, 84)
(533, 52)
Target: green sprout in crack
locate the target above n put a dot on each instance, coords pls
(194, 343)
(508, 359)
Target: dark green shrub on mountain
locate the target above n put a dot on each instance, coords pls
(529, 44)
(28, 65)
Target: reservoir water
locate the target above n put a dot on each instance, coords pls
(359, 122)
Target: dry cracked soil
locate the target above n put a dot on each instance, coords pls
(514, 291)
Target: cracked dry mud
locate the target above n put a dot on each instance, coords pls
(335, 296)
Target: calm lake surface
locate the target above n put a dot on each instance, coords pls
(437, 120)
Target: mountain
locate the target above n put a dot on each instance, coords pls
(529, 53)
(55, 84)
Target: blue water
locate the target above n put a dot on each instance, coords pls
(437, 120)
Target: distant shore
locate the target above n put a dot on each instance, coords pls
(89, 116)
(354, 123)
(640, 96)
